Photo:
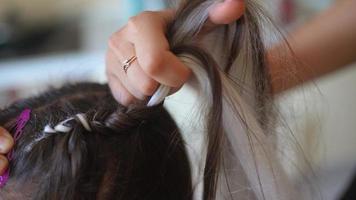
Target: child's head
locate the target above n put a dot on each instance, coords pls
(130, 153)
(138, 153)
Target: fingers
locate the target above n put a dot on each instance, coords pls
(227, 12)
(144, 36)
(134, 79)
(6, 144)
(140, 80)
(152, 50)
(119, 92)
(162, 65)
(6, 141)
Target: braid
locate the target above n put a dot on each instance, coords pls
(81, 144)
(54, 98)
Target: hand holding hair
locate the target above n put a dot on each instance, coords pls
(144, 37)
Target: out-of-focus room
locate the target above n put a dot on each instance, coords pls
(47, 43)
(50, 42)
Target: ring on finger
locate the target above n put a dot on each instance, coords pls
(127, 63)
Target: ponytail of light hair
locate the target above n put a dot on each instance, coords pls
(238, 108)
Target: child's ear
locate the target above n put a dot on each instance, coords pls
(227, 11)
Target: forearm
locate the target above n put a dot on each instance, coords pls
(323, 45)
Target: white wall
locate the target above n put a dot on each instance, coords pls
(322, 115)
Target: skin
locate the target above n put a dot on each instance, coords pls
(6, 144)
(321, 46)
(325, 44)
(144, 37)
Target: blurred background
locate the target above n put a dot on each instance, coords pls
(48, 42)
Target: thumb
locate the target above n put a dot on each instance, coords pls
(226, 12)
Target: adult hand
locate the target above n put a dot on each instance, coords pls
(144, 36)
(6, 144)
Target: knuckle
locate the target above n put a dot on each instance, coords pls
(141, 18)
(132, 25)
(115, 39)
(116, 35)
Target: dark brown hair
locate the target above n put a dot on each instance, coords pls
(138, 152)
(131, 153)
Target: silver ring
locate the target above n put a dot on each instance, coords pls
(126, 64)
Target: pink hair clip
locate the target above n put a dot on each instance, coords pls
(19, 126)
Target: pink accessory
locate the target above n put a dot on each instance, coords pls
(19, 126)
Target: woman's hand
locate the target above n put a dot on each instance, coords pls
(144, 36)
(6, 144)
